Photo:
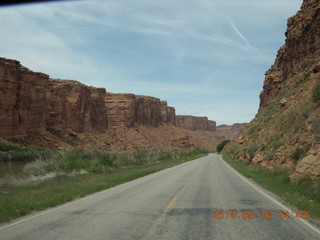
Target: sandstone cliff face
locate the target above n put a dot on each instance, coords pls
(74, 106)
(300, 51)
(120, 110)
(171, 115)
(286, 131)
(129, 110)
(148, 111)
(59, 113)
(22, 99)
(195, 123)
(230, 131)
(212, 125)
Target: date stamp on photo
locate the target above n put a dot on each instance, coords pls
(251, 214)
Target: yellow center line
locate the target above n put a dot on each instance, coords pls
(172, 202)
(190, 178)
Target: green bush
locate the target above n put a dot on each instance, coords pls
(222, 145)
(140, 156)
(316, 93)
(73, 160)
(106, 160)
(6, 148)
(14, 153)
(300, 152)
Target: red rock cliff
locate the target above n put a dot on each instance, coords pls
(194, 123)
(230, 131)
(299, 52)
(121, 110)
(72, 105)
(168, 113)
(148, 111)
(22, 99)
(285, 133)
(78, 115)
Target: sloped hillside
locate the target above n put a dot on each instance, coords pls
(286, 131)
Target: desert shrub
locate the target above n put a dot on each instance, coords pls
(36, 168)
(13, 153)
(140, 156)
(300, 152)
(315, 125)
(314, 192)
(315, 97)
(222, 145)
(269, 156)
(316, 138)
(107, 159)
(73, 160)
(5, 147)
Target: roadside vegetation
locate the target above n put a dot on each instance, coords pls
(222, 145)
(302, 193)
(55, 177)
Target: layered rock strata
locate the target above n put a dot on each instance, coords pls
(23, 99)
(195, 123)
(72, 105)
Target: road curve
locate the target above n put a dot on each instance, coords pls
(176, 203)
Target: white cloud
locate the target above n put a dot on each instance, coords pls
(202, 56)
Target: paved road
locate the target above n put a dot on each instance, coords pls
(176, 203)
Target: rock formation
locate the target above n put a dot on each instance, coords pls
(230, 131)
(55, 113)
(72, 105)
(286, 131)
(22, 99)
(195, 123)
(148, 111)
(121, 110)
(168, 113)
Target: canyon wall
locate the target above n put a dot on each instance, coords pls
(286, 131)
(120, 110)
(22, 99)
(38, 111)
(72, 105)
(195, 123)
(230, 131)
(129, 110)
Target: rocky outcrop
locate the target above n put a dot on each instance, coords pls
(286, 131)
(195, 123)
(129, 110)
(171, 115)
(299, 52)
(121, 109)
(148, 111)
(168, 113)
(230, 131)
(309, 165)
(212, 125)
(22, 99)
(55, 114)
(72, 105)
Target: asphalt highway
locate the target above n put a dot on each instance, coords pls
(200, 199)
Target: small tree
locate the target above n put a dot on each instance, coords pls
(222, 145)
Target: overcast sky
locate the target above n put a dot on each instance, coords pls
(204, 57)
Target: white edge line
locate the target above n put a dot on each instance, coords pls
(272, 199)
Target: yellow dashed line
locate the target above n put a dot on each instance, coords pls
(172, 202)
